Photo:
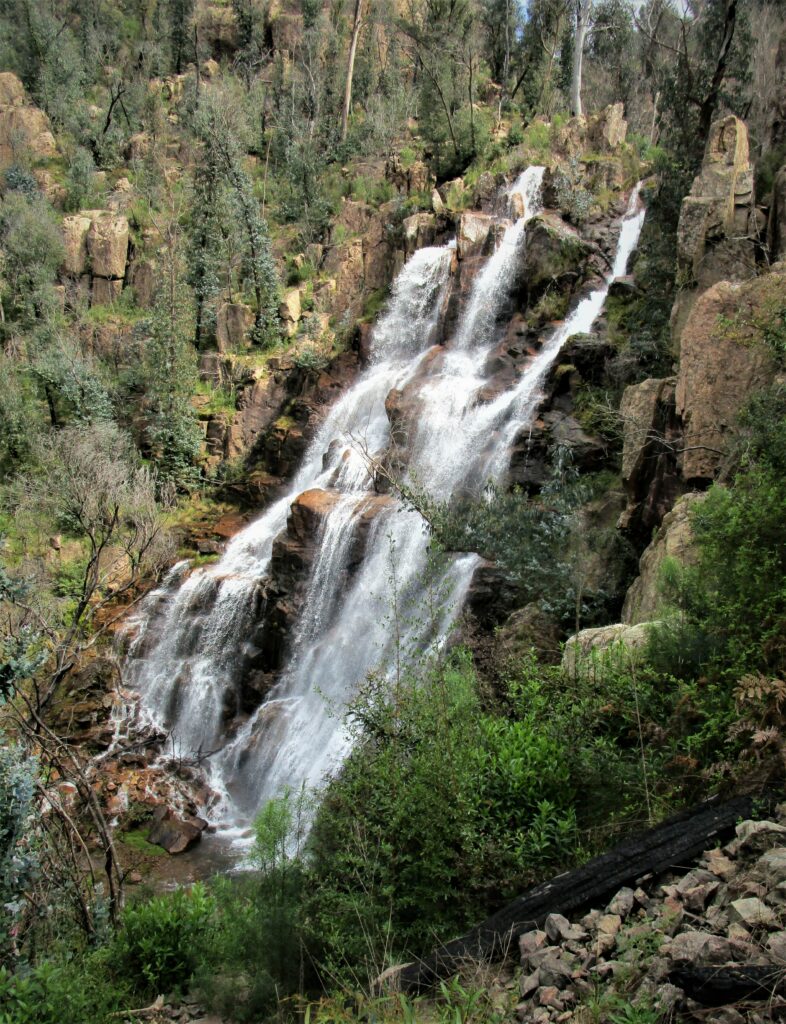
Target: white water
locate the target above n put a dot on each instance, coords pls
(193, 644)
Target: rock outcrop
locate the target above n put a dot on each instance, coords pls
(714, 237)
(24, 129)
(592, 653)
(723, 359)
(603, 132)
(554, 254)
(674, 540)
(651, 443)
(233, 322)
(96, 252)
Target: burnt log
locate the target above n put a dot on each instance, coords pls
(673, 843)
(725, 986)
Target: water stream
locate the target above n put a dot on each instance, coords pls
(193, 646)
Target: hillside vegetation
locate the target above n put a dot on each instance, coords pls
(203, 206)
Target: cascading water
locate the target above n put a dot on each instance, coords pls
(192, 646)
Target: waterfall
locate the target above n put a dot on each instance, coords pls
(193, 643)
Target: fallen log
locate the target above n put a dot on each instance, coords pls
(725, 986)
(674, 843)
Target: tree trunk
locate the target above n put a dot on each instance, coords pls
(582, 26)
(675, 841)
(710, 102)
(353, 46)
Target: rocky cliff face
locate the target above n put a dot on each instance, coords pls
(680, 432)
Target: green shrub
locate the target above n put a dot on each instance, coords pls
(438, 798)
(68, 992)
(162, 941)
(256, 954)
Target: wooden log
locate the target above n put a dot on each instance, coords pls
(724, 986)
(674, 843)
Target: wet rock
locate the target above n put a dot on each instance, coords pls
(473, 233)
(173, 833)
(554, 254)
(419, 231)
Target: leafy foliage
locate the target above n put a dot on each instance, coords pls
(161, 940)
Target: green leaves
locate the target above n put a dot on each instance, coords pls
(162, 940)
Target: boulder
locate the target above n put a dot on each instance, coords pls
(409, 177)
(174, 833)
(24, 129)
(723, 359)
(75, 229)
(554, 250)
(419, 231)
(608, 129)
(107, 243)
(592, 652)
(289, 311)
(473, 233)
(652, 437)
(143, 278)
(526, 629)
(674, 540)
(233, 322)
(712, 235)
(217, 27)
(105, 290)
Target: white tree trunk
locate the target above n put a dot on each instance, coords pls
(582, 27)
(351, 68)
